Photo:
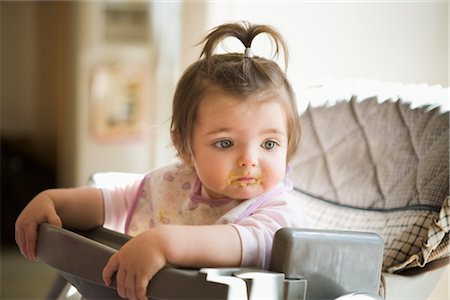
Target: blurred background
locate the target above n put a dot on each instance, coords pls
(86, 86)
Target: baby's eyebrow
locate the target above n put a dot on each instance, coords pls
(219, 130)
(264, 131)
(273, 130)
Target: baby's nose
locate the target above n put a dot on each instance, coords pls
(248, 159)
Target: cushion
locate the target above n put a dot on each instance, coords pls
(381, 167)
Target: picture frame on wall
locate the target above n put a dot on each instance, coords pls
(118, 91)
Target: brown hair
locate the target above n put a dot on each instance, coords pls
(239, 74)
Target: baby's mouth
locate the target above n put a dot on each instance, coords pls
(243, 180)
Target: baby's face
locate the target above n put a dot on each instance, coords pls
(239, 147)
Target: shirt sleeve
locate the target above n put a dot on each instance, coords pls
(118, 203)
(257, 230)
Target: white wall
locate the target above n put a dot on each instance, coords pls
(399, 41)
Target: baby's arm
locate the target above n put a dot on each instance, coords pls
(185, 246)
(80, 208)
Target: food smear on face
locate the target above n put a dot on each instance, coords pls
(242, 180)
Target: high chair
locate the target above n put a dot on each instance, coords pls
(373, 178)
(305, 264)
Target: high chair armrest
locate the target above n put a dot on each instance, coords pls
(81, 256)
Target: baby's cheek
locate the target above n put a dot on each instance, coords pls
(271, 181)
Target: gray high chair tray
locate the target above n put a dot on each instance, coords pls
(299, 257)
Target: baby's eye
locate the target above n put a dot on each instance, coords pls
(269, 145)
(223, 144)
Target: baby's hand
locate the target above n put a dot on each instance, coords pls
(136, 263)
(40, 210)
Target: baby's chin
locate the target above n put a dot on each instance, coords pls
(245, 192)
(240, 191)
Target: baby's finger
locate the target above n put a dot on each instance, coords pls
(141, 287)
(130, 285)
(30, 242)
(121, 277)
(108, 271)
(19, 241)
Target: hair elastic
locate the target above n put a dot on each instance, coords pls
(248, 52)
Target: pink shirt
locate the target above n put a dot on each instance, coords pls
(175, 195)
